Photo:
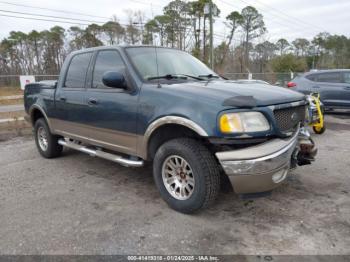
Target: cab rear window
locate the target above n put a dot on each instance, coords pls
(77, 70)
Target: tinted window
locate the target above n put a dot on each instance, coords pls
(329, 77)
(346, 77)
(311, 77)
(77, 71)
(106, 61)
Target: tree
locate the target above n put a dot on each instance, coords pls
(287, 63)
(199, 20)
(56, 38)
(196, 10)
(177, 10)
(265, 52)
(282, 44)
(151, 27)
(77, 40)
(182, 24)
(301, 46)
(34, 38)
(91, 36)
(233, 21)
(253, 26)
(132, 32)
(163, 24)
(114, 32)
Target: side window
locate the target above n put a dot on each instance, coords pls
(106, 61)
(329, 77)
(311, 77)
(346, 76)
(77, 70)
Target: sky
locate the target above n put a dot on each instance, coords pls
(288, 19)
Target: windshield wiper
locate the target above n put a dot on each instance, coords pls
(209, 76)
(174, 76)
(194, 77)
(168, 77)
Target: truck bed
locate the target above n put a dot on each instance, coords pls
(44, 90)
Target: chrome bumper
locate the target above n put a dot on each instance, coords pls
(259, 168)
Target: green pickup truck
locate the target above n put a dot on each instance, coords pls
(137, 104)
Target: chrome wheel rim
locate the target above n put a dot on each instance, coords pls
(42, 138)
(178, 177)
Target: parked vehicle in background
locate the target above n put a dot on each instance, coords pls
(332, 85)
(251, 81)
(135, 104)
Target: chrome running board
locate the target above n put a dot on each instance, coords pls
(99, 153)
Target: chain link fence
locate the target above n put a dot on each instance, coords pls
(280, 79)
(12, 81)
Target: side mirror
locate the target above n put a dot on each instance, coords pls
(114, 79)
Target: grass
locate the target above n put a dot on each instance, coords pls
(10, 91)
(11, 102)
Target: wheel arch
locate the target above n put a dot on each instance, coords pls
(166, 128)
(36, 112)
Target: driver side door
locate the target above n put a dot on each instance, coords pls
(111, 112)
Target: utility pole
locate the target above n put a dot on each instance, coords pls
(211, 34)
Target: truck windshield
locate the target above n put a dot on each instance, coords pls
(171, 62)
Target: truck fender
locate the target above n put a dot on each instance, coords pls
(144, 140)
(32, 111)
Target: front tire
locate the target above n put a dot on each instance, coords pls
(46, 142)
(186, 175)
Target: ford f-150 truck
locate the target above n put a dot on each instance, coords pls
(137, 104)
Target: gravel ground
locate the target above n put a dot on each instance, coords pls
(11, 107)
(76, 204)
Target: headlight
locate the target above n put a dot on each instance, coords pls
(243, 122)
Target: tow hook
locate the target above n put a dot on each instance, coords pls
(306, 150)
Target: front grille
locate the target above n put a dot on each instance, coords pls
(288, 119)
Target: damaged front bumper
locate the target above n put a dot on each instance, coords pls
(263, 167)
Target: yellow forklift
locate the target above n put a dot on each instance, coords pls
(315, 113)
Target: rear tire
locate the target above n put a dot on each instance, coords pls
(186, 175)
(46, 142)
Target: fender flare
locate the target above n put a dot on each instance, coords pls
(163, 121)
(37, 107)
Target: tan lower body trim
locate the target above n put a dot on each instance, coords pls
(110, 139)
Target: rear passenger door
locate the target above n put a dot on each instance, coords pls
(111, 112)
(70, 97)
(330, 87)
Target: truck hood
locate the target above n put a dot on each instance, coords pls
(221, 90)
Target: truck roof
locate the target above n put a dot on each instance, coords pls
(116, 47)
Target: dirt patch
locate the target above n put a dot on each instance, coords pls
(10, 91)
(17, 114)
(11, 102)
(13, 129)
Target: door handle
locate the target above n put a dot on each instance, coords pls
(63, 99)
(316, 87)
(92, 101)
